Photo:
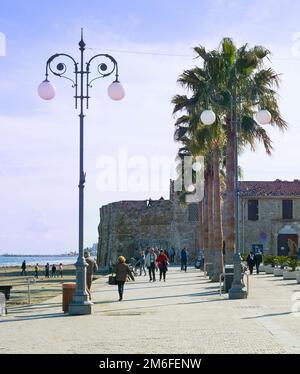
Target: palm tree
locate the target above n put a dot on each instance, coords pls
(223, 69)
(209, 142)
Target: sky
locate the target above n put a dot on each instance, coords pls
(152, 41)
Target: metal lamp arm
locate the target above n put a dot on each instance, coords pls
(61, 68)
(102, 68)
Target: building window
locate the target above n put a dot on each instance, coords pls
(193, 212)
(253, 210)
(287, 209)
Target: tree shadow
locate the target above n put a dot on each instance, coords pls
(35, 316)
(153, 306)
(209, 293)
(269, 315)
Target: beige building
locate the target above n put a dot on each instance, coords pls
(269, 216)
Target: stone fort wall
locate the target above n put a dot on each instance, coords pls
(126, 226)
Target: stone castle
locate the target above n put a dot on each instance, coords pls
(269, 219)
(127, 226)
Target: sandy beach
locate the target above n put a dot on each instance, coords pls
(41, 288)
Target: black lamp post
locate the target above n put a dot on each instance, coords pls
(81, 83)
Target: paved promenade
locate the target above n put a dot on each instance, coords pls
(184, 315)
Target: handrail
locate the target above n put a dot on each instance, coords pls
(205, 266)
(220, 280)
(247, 290)
(25, 280)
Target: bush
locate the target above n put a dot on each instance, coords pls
(269, 260)
(281, 261)
(244, 256)
(293, 262)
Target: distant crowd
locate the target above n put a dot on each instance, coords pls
(154, 259)
(55, 271)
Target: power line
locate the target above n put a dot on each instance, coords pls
(171, 54)
(140, 52)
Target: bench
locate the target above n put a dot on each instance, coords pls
(6, 290)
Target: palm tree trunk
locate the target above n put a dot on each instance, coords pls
(229, 210)
(210, 240)
(201, 228)
(218, 235)
(205, 219)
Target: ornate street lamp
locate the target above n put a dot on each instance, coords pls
(263, 117)
(81, 82)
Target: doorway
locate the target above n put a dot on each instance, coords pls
(287, 244)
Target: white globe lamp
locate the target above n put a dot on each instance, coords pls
(191, 188)
(116, 91)
(263, 117)
(208, 117)
(46, 90)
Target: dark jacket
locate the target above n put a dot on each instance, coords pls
(251, 260)
(122, 271)
(258, 258)
(183, 256)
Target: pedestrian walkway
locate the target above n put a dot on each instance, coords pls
(184, 315)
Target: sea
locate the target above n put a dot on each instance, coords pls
(6, 261)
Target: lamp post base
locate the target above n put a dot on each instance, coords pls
(237, 293)
(237, 290)
(81, 309)
(80, 305)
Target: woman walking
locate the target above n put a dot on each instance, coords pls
(122, 271)
(162, 261)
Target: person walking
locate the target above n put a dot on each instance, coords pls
(142, 263)
(36, 270)
(172, 255)
(150, 262)
(251, 261)
(90, 270)
(47, 270)
(61, 270)
(162, 261)
(258, 260)
(53, 271)
(122, 272)
(183, 258)
(23, 267)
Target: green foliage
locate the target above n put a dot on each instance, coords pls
(244, 256)
(293, 262)
(281, 261)
(269, 260)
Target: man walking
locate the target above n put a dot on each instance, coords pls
(258, 260)
(23, 267)
(91, 269)
(183, 257)
(150, 262)
(251, 261)
(142, 263)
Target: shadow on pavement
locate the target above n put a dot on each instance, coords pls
(150, 307)
(33, 317)
(165, 297)
(269, 315)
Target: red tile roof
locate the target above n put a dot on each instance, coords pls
(276, 188)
